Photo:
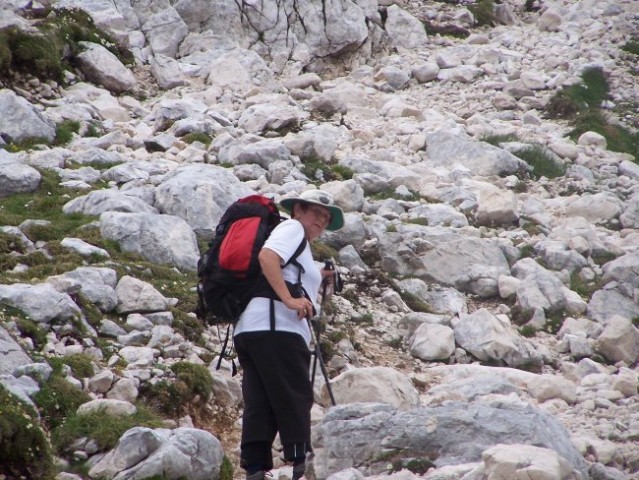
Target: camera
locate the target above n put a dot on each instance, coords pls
(337, 280)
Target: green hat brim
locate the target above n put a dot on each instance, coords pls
(337, 215)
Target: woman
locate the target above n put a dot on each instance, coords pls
(272, 338)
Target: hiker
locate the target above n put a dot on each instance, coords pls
(272, 338)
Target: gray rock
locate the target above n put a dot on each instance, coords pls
(16, 177)
(163, 239)
(358, 435)
(100, 66)
(20, 120)
(137, 296)
(199, 194)
(489, 338)
(143, 453)
(11, 354)
(40, 302)
(442, 148)
(99, 201)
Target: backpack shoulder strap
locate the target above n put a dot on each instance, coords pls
(297, 253)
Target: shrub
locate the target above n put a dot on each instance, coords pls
(39, 54)
(64, 131)
(484, 12)
(24, 449)
(496, 140)
(542, 163)
(528, 331)
(226, 469)
(196, 377)
(174, 397)
(58, 399)
(104, 428)
(197, 137)
(33, 330)
(631, 46)
(577, 98)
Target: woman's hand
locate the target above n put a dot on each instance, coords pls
(302, 306)
(271, 267)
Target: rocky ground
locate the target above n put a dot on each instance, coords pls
(437, 256)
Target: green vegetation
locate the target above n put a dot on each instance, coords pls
(583, 288)
(390, 193)
(554, 321)
(527, 331)
(52, 50)
(415, 303)
(632, 46)
(24, 448)
(81, 364)
(190, 388)
(104, 428)
(497, 140)
(322, 251)
(526, 251)
(581, 105)
(64, 131)
(198, 137)
(315, 168)
(33, 330)
(58, 399)
(484, 12)
(226, 469)
(542, 163)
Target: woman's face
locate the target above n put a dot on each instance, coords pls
(314, 218)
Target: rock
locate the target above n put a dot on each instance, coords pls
(100, 66)
(21, 120)
(163, 239)
(137, 296)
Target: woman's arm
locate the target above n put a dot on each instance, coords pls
(272, 270)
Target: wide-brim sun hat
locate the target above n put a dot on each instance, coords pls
(321, 198)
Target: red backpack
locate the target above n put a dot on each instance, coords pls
(229, 271)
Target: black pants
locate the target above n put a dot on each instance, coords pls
(278, 396)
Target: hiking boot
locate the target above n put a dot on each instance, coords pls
(298, 471)
(259, 475)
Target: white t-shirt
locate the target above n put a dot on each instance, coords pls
(284, 240)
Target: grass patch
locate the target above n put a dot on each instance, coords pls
(583, 288)
(44, 204)
(390, 193)
(631, 46)
(497, 140)
(542, 163)
(175, 397)
(64, 131)
(33, 330)
(24, 449)
(581, 105)
(53, 49)
(58, 399)
(322, 251)
(572, 100)
(484, 12)
(527, 331)
(316, 169)
(105, 429)
(618, 138)
(226, 469)
(81, 364)
(197, 137)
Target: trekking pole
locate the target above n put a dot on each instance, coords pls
(315, 336)
(318, 358)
